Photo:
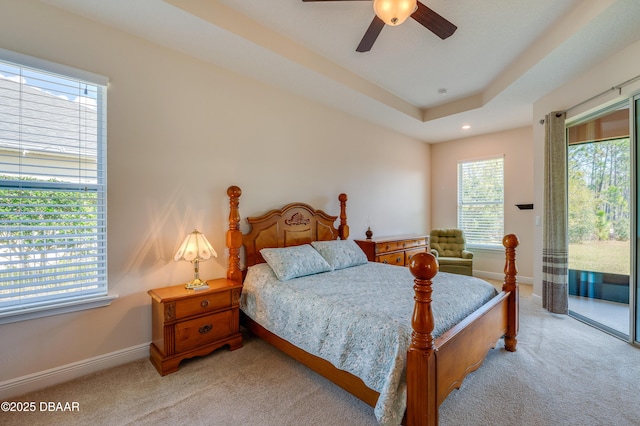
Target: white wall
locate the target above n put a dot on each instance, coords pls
(517, 147)
(180, 132)
(618, 68)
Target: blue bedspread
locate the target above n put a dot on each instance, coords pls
(359, 319)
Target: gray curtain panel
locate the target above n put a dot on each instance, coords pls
(555, 238)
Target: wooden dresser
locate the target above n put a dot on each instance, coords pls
(188, 323)
(395, 250)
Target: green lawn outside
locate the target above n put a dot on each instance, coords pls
(601, 256)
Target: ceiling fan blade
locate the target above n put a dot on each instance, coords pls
(371, 35)
(433, 21)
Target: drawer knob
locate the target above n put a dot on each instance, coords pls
(385, 261)
(205, 328)
(204, 303)
(398, 259)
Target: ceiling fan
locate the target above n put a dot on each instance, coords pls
(395, 12)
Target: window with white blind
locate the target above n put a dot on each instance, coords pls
(481, 201)
(53, 188)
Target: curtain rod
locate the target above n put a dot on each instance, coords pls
(617, 87)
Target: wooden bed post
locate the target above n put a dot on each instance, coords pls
(422, 405)
(234, 235)
(343, 229)
(510, 243)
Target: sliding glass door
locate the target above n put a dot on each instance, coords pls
(599, 204)
(635, 296)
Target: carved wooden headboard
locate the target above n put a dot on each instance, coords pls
(293, 224)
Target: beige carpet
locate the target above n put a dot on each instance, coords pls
(564, 373)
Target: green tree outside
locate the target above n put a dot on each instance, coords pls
(44, 229)
(599, 188)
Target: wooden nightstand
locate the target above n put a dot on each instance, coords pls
(396, 250)
(188, 323)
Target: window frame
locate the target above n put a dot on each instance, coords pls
(462, 202)
(45, 305)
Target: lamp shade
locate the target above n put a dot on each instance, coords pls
(195, 247)
(394, 12)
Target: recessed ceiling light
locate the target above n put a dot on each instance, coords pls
(466, 127)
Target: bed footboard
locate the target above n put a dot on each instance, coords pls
(435, 368)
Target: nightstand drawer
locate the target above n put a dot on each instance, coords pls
(188, 323)
(200, 331)
(202, 304)
(392, 258)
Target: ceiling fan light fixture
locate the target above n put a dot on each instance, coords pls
(394, 12)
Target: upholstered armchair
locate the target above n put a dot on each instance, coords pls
(449, 247)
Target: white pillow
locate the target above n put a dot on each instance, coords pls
(341, 254)
(295, 261)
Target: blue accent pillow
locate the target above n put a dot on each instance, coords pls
(295, 261)
(341, 254)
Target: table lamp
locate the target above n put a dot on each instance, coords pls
(194, 249)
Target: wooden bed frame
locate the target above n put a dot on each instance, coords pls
(435, 367)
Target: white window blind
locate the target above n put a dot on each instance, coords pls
(53, 247)
(481, 201)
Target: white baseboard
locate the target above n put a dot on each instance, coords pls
(500, 277)
(42, 379)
